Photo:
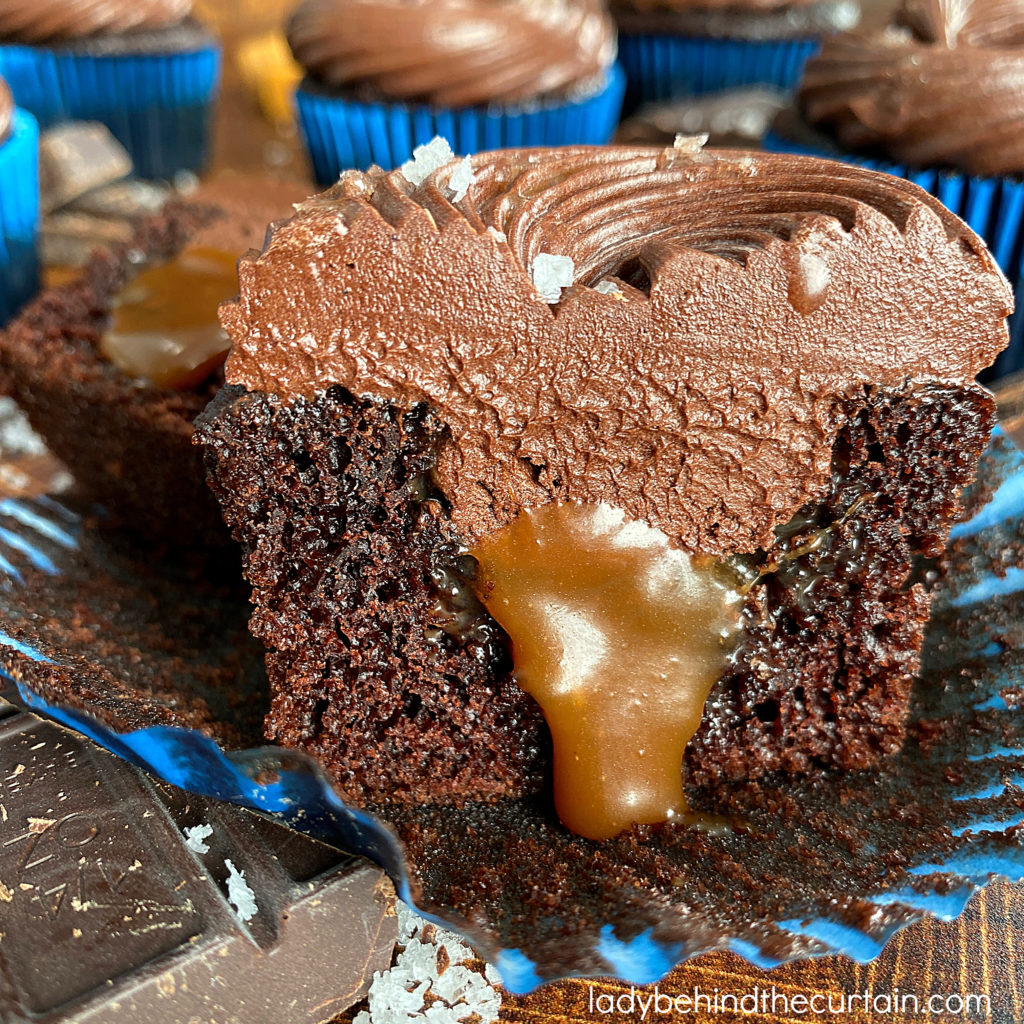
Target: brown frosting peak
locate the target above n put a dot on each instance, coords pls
(6, 110)
(44, 21)
(722, 305)
(455, 53)
(942, 86)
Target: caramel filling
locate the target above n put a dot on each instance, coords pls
(165, 328)
(619, 637)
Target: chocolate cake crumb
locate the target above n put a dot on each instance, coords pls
(342, 546)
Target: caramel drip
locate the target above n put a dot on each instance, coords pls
(165, 327)
(619, 637)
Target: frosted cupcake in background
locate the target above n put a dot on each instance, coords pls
(672, 48)
(937, 97)
(144, 68)
(19, 205)
(386, 76)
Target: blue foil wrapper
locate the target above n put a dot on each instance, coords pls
(19, 215)
(158, 105)
(341, 133)
(971, 769)
(993, 207)
(663, 67)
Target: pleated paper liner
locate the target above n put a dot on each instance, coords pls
(993, 207)
(19, 215)
(130, 652)
(158, 105)
(342, 133)
(664, 67)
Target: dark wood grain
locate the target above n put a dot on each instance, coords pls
(981, 953)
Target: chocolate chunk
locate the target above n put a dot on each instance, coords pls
(76, 158)
(122, 898)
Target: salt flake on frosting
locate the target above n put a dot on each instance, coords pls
(551, 274)
(461, 178)
(690, 144)
(426, 159)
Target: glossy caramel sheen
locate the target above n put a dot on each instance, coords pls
(165, 327)
(619, 637)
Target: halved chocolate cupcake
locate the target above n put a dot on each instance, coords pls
(486, 432)
(112, 368)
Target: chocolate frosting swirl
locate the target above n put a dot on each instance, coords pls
(6, 110)
(45, 21)
(723, 305)
(943, 86)
(455, 53)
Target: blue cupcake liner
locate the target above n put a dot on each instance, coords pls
(156, 104)
(993, 207)
(19, 215)
(664, 67)
(342, 133)
(981, 663)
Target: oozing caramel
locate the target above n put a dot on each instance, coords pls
(165, 328)
(619, 637)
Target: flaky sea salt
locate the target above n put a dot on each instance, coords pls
(461, 178)
(426, 159)
(241, 897)
(551, 274)
(607, 287)
(416, 990)
(196, 836)
(690, 144)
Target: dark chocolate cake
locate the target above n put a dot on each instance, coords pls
(128, 439)
(767, 360)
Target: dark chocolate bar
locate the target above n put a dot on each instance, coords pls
(125, 899)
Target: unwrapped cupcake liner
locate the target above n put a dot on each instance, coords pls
(157, 104)
(664, 67)
(19, 214)
(993, 207)
(956, 785)
(342, 133)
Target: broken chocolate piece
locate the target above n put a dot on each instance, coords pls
(114, 908)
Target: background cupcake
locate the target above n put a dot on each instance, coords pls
(385, 76)
(19, 205)
(937, 97)
(142, 67)
(671, 48)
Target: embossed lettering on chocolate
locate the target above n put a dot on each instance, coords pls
(766, 362)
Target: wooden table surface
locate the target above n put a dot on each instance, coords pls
(981, 953)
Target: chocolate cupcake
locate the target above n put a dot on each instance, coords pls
(386, 76)
(671, 48)
(936, 97)
(112, 368)
(145, 69)
(597, 461)
(19, 205)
